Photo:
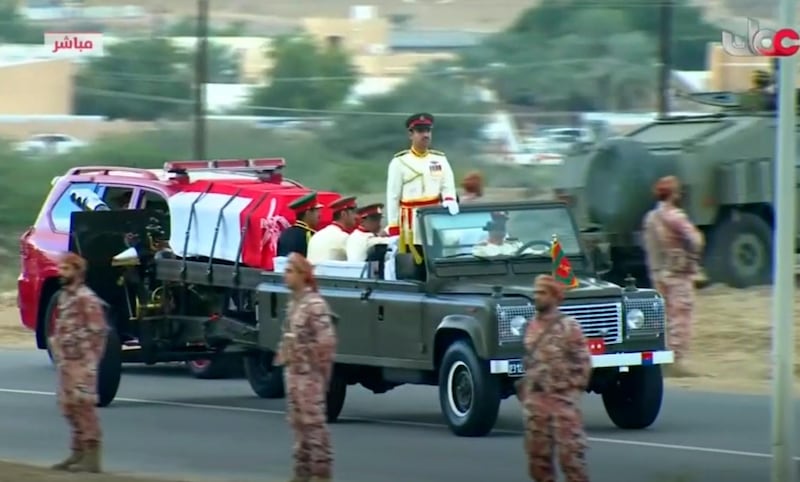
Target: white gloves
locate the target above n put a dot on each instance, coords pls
(452, 206)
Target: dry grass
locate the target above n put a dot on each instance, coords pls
(14, 472)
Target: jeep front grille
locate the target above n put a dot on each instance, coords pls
(597, 320)
(654, 314)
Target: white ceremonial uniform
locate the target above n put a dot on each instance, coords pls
(328, 244)
(359, 242)
(416, 181)
(508, 248)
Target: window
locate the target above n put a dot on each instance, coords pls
(117, 197)
(64, 207)
(155, 202)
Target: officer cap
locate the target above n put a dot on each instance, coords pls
(423, 119)
(372, 210)
(305, 203)
(343, 203)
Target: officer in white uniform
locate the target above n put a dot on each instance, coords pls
(497, 243)
(417, 177)
(329, 243)
(366, 233)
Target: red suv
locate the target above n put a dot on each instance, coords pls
(119, 188)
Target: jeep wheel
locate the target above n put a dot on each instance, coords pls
(337, 392)
(740, 251)
(109, 370)
(265, 379)
(633, 401)
(468, 393)
(222, 366)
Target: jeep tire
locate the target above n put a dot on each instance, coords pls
(264, 378)
(469, 394)
(633, 400)
(109, 371)
(740, 251)
(337, 392)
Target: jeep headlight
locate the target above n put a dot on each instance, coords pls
(516, 324)
(635, 319)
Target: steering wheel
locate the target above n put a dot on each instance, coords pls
(536, 242)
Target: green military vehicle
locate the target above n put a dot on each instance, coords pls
(456, 322)
(725, 162)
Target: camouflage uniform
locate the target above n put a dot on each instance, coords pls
(308, 354)
(78, 343)
(557, 370)
(672, 239)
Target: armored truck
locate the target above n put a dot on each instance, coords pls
(725, 163)
(454, 322)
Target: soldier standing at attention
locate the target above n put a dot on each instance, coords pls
(417, 177)
(78, 342)
(366, 233)
(674, 246)
(557, 370)
(294, 239)
(329, 243)
(307, 350)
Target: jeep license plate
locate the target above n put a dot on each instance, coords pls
(515, 368)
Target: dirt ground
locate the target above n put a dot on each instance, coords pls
(731, 347)
(13, 472)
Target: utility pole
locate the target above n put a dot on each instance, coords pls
(665, 56)
(783, 427)
(200, 79)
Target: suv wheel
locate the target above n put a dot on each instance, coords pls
(265, 379)
(469, 394)
(633, 401)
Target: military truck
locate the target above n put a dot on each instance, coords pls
(725, 162)
(454, 322)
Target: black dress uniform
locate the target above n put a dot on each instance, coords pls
(294, 239)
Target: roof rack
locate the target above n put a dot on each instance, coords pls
(111, 170)
(268, 165)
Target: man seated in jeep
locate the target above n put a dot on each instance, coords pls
(497, 243)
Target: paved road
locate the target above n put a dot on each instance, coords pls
(166, 423)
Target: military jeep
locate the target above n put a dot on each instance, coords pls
(456, 321)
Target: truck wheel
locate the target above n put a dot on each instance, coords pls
(109, 371)
(740, 252)
(634, 400)
(50, 316)
(468, 393)
(337, 392)
(222, 366)
(265, 379)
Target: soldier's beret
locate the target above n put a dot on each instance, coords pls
(343, 203)
(371, 210)
(423, 119)
(305, 203)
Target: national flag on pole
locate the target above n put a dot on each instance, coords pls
(562, 269)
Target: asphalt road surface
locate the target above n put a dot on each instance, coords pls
(165, 423)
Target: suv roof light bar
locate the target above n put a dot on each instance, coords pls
(262, 165)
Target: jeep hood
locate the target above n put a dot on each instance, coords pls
(588, 288)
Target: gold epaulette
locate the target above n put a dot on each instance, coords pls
(401, 153)
(438, 153)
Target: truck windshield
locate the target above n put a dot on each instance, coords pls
(488, 234)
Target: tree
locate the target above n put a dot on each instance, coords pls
(139, 80)
(15, 29)
(305, 76)
(223, 64)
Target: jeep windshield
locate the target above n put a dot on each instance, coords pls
(485, 233)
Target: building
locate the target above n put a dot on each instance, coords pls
(37, 87)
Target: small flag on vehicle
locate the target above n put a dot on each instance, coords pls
(562, 269)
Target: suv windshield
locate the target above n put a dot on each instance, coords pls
(516, 231)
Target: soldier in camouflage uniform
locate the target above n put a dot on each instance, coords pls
(557, 370)
(78, 342)
(307, 350)
(674, 246)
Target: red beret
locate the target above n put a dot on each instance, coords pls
(550, 284)
(473, 183)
